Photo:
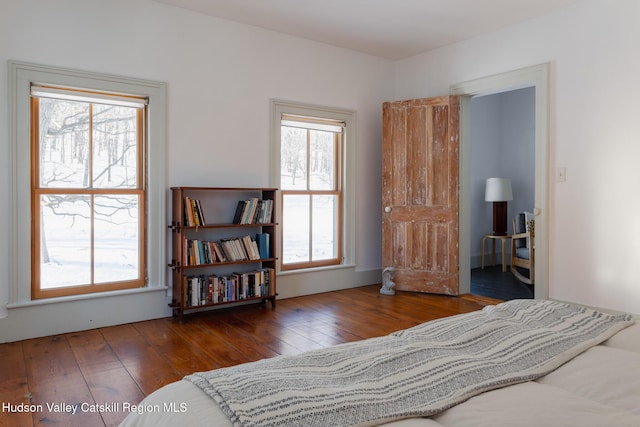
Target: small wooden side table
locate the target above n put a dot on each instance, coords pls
(493, 239)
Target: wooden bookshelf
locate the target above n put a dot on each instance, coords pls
(223, 247)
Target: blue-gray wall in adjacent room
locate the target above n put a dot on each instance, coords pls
(502, 145)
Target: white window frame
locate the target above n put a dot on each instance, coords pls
(21, 76)
(280, 107)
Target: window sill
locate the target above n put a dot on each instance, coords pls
(314, 269)
(96, 295)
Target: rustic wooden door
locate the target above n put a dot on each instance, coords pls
(420, 151)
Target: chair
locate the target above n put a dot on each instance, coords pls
(523, 247)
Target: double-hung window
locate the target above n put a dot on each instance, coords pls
(311, 191)
(88, 191)
(313, 167)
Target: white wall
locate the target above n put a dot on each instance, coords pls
(594, 242)
(220, 76)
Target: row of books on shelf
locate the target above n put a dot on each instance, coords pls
(193, 215)
(203, 290)
(246, 248)
(253, 211)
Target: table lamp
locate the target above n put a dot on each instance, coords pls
(498, 191)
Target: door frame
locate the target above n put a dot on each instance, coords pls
(536, 76)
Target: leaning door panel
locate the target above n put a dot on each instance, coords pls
(420, 194)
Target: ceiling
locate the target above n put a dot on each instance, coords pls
(392, 29)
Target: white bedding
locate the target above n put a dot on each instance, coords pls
(600, 387)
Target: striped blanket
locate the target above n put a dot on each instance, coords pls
(419, 371)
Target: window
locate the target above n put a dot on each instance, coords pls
(88, 191)
(311, 153)
(88, 184)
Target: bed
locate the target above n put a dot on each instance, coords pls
(523, 362)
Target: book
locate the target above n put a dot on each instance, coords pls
(262, 240)
(193, 214)
(268, 280)
(220, 254)
(188, 212)
(250, 211)
(266, 209)
(198, 213)
(194, 291)
(233, 249)
(237, 217)
(213, 289)
(251, 248)
(253, 211)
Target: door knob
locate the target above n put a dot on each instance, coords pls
(387, 209)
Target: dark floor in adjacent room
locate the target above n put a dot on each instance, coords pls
(493, 283)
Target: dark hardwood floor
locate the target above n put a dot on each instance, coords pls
(125, 363)
(493, 283)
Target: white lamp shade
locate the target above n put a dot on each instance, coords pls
(498, 190)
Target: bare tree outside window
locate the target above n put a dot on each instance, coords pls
(311, 193)
(90, 193)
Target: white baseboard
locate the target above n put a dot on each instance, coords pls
(325, 280)
(64, 316)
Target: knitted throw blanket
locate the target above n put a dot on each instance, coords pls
(416, 372)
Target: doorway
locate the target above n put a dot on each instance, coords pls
(502, 145)
(536, 78)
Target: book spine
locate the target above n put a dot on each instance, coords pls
(188, 213)
(237, 217)
(262, 240)
(200, 213)
(253, 211)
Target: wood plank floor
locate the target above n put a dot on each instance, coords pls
(98, 368)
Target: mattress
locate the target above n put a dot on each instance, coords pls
(599, 387)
